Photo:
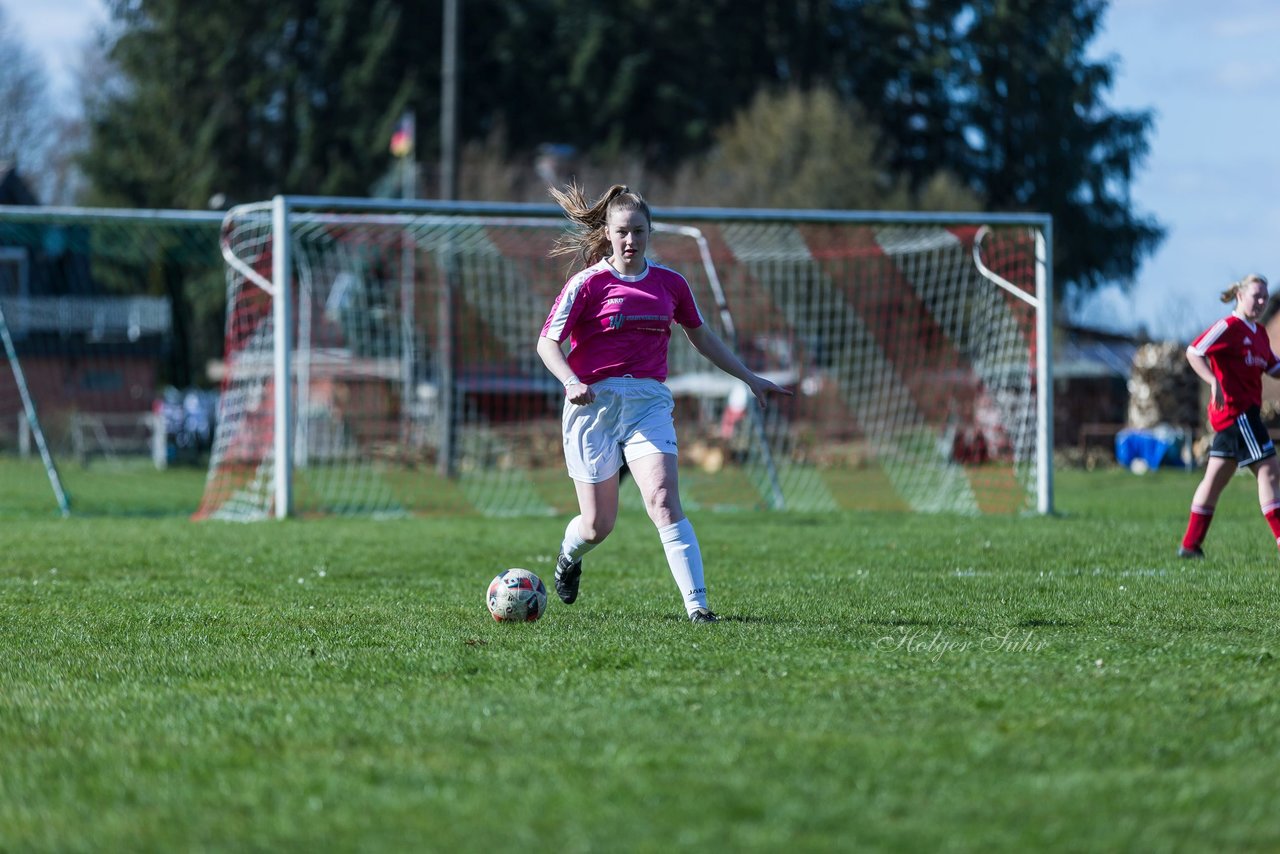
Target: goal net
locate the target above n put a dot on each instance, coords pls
(97, 311)
(382, 361)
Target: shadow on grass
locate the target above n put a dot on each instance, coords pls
(737, 618)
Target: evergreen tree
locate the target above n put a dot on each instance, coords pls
(993, 99)
(249, 99)
(1038, 135)
(1001, 94)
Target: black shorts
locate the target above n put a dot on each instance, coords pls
(1246, 441)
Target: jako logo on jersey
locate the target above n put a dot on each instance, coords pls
(1254, 361)
(621, 300)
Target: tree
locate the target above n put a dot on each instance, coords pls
(613, 78)
(794, 149)
(993, 100)
(1044, 137)
(1001, 94)
(960, 99)
(249, 99)
(26, 113)
(807, 149)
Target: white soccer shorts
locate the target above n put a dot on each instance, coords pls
(630, 418)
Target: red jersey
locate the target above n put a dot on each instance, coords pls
(1238, 352)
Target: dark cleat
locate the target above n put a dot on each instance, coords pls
(1193, 552)
(568, 574)
(702, 615)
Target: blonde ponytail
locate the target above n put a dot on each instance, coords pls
(589, 238)
(1232, 292)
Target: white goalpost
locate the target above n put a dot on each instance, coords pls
(32, 419)
(379, 359)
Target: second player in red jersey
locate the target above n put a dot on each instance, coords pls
(1231, 356)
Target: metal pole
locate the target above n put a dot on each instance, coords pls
(446, 355)
(33, 422)
(446, 369)
(409, 177)
(409, 162)
(1044, 368)
(282, 319)
(449, 74)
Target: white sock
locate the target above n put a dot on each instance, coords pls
(574, 547)
(685, 559)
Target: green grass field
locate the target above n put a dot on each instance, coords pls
(882, 682)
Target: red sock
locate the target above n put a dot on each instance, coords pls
(1198, 526)
(1272, 515)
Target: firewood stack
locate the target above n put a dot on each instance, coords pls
(1163, 389)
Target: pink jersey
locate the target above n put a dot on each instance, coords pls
(620, 325)
(1238, 351)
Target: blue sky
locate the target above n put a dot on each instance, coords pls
(56, 30)
(1209, 70)
(1211, 73)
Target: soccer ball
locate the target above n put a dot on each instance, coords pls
(516, 595)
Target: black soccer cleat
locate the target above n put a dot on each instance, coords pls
(568, 574)
(702, 615)
(1193, 552)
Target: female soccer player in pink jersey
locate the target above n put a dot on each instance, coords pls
(617, 315)
(1231, 356)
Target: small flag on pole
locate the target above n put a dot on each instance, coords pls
(402, 139)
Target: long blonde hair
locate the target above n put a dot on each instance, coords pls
(1233, 290)
(589, 238)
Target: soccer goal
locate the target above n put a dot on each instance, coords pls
(95, 307)
(380, 360)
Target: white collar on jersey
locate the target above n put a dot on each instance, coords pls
(637, 277)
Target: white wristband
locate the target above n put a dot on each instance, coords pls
(572, 381)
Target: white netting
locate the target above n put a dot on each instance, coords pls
(418, 388)
(101, 308)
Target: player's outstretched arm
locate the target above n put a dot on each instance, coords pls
(708, 343)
